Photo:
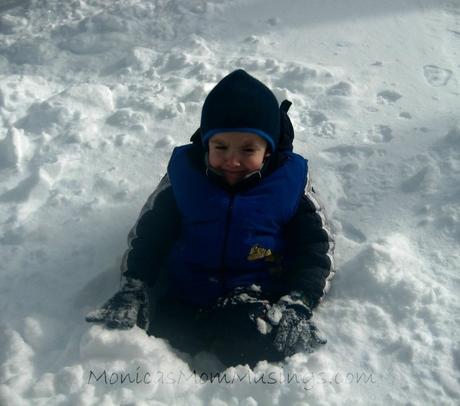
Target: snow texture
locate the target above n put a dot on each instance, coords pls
(93, 97)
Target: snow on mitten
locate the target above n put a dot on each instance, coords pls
(295, 331)
(124, 309)
(245, 305)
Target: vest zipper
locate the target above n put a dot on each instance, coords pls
(224, 247)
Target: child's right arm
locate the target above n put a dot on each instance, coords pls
(152, 236)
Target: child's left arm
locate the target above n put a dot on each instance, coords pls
(310, 245)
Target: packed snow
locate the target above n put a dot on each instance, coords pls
(95, 94)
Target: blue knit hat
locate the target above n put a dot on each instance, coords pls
(240, 102)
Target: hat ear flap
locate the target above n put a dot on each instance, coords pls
(286, 129)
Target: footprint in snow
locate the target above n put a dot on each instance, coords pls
(295, 77)
(325, 130)
(126, 119)
(343, 89)
(354, 152)
(165, 142)
(273, 21)
(425, 180)
(317, 117)
(436, 76)
(380, 134)
(388, 96)
(176, 60)
(352, 233)
(406, 115)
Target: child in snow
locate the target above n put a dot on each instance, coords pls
(234, 233)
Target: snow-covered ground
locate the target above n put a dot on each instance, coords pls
(94, 94)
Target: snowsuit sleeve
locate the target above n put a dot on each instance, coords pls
(151, 238)
(310, 265)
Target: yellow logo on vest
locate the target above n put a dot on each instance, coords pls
(258, 252)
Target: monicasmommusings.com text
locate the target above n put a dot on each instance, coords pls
(308, 380)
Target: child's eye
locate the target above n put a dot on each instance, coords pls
(249, 150)
(220, 147)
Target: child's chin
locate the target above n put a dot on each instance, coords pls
(231, 180)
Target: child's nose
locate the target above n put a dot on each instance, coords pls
(233, 159)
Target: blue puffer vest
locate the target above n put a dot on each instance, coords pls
(230, 240)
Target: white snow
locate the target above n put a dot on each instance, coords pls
(93, 97)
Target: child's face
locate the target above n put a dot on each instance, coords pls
(236, 154)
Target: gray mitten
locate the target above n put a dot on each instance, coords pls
(245, 302)
(125, 309)
(295, 331)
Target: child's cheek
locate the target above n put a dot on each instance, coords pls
(255, 163)
(213, 159)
